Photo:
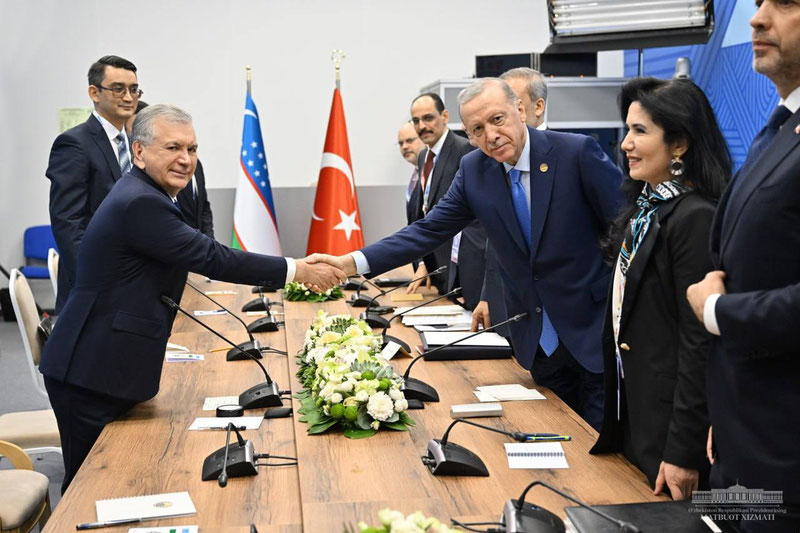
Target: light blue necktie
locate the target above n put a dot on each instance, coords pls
(549, 339)
(124, 156)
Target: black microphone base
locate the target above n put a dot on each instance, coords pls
(263, 324)
(261, 395)
(257, 304)
(530, 518)
(350, 285)
(374, 320)
(414, 389)
(241, 461)
(263, 288)
(359, 300)
(452, 460)
(415, 404)
(388, 338)
(250, 347)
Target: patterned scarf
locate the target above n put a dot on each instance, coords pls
(649, 201)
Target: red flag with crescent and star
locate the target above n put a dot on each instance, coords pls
(335, 221)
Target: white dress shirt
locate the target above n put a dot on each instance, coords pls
(111, 133)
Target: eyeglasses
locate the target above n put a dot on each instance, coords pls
(120, 90)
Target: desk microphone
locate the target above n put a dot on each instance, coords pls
(419, 390)
(362, 300)
(374, 319)
(262, 395)
(519, 517)
(234, 460)
(388, 338)
(234, 354)
(449, 459)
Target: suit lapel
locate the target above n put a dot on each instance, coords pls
(104, 145)
(784, 142)
(543, 170)
(442, 162)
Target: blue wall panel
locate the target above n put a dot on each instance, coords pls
(741, 98)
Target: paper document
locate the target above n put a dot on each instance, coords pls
(172, 347)
(505, 393)
(465, 318)
(164, 529)
(452, 327)
(432, 310)
(216, 293)
(145, 507)
(403, 297)
(212, 402)
(390, 350)
(209, 312)
(535, 455)
(248, 422)
(183, 357)
(438, 338)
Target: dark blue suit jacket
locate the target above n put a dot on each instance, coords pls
(754, 366)
(575, 193)
(82, 170)
(111, 336)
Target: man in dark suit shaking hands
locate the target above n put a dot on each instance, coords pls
(544, 198)
(107, 349)
(88, 159)
(751, 302)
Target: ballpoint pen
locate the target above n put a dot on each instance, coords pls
(546, 437)
(216, 428)
(108, 523)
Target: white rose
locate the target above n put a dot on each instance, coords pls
(403, 526)
(362, 396)
(396, 394)
(387, 516)
(337, 398)
(347, 386)
(380, 406)
(401, 405)
(327, 390)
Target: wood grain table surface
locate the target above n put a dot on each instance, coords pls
(338, 481)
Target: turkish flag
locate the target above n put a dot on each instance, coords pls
(335, 221)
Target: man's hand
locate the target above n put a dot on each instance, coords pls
(698, 293)
(320, 276)
(681, 481)
(480, 316)
(422, 270)
(345, 263)
(710, 445)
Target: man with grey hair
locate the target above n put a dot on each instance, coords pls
(545, 198)
(530, 87)
(107, 349)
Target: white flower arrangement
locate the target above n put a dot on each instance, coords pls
(299, 292)
(392, 521)
(348, 384)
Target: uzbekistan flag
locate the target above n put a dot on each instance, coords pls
(255, 225)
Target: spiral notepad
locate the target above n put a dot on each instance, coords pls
(535, 455)
(145, 507)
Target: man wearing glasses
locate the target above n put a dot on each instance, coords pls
(87, 160)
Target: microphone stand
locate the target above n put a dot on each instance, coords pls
(252, 346)
(374, 319)
(262, 395)
(403, 345)
(519, 517)
(419, 390)
(360, 300)
(234, 460)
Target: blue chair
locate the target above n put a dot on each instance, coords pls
(36, 243)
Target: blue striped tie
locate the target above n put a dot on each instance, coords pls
(124, 156)
(549, 338)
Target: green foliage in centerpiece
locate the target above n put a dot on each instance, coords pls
(298, 292)
(348, 386)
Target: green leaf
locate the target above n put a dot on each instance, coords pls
(351, 433)
(322, 427)
(364, 420)
(397, 426)
(394, 418)
(407, 420)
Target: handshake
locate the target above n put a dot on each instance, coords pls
(322, 271)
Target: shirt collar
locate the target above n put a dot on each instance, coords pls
(437, 148)
(109, 128)
(792, 102)
(524, 163)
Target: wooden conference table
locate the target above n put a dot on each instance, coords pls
(338, 481)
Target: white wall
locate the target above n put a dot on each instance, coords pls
(193, 54)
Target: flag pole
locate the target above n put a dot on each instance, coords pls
(247, 68)
(337, 56)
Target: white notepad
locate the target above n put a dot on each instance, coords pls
(439, 338)
(248, 422)
(535, 455)
(507, 393)
(164, 529)
(212, 402)
(145, 507)
(438, 310)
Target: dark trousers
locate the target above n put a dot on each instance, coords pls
(582, 390)
(81, 415)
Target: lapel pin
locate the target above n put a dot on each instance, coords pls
(543, 167)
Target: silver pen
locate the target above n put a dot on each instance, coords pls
(109, 523)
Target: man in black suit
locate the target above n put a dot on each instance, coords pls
(193, 199)
(437, 165)
(86, 160)
(751, 302)
(107, 349)
(410, 147)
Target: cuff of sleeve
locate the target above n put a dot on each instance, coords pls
(362, 266)
(291, 269)
(710, 314)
